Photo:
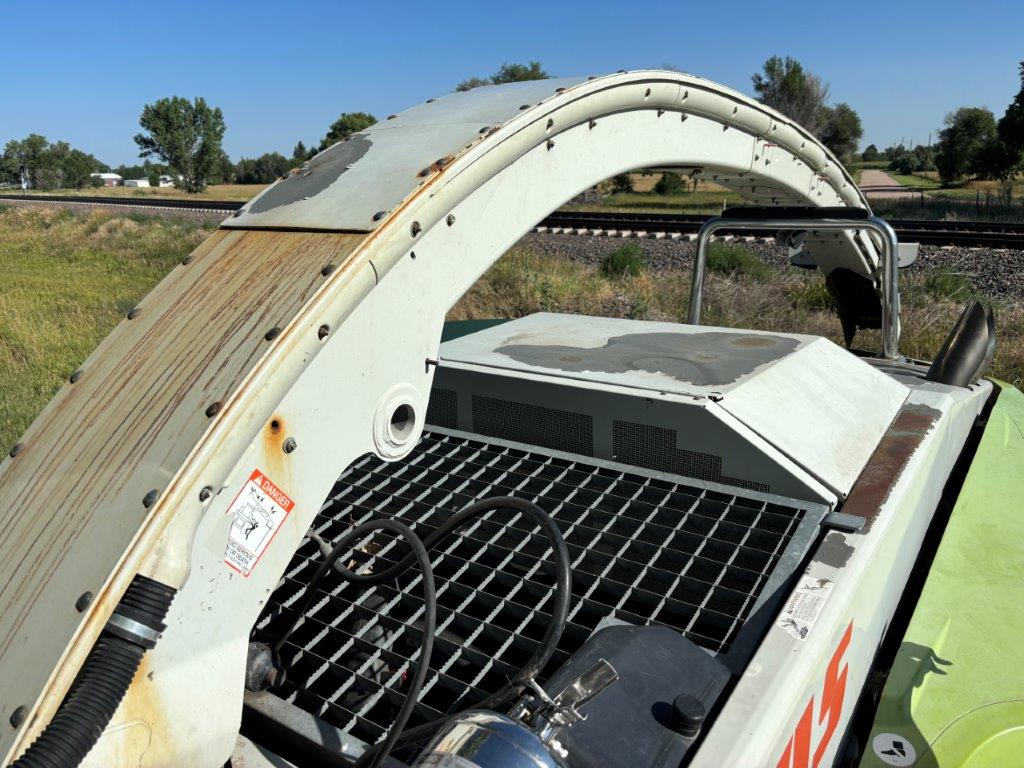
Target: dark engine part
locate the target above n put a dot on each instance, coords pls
(968, 349)
(651, 716)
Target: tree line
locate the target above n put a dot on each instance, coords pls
(183, 138)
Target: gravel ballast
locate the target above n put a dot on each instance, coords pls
(996, 273)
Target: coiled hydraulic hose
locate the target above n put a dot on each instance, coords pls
(133, 628)
(559, 614)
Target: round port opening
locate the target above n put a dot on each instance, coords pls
(401, 423)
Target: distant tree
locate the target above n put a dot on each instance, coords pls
(787, 87)
(345, 126)
(186, 135)
(78, 167)
(670, 184)
(507, 73)
(263, 169)
(622, 182)
(1003, 158)
(517, 73)
(473, 82)
(893, 151)
(223, 169)
(34, 161)
(870, 154)
(960, 148)
(908, 161)
(840, 130)
(301, 154)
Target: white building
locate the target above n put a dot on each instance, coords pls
(108, 179)
(137, 183)
(166, 181)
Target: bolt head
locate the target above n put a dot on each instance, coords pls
(379, 215)
(18, 716)
(150, 498)
(323, 331)
(75, 376)
(84, 601)
(213, 409)
(272, 334)
(450, 219)
(327, 269)
(16, 449)
(289, 445)
(205, 493)
(133, 313)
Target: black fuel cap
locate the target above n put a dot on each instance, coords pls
(687, 715)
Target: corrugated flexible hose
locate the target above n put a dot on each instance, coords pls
(104, 678)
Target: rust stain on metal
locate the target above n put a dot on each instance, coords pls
(126, 427)
(883, 470)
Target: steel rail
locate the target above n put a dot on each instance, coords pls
(963, 234)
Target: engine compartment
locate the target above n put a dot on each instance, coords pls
(658, 541)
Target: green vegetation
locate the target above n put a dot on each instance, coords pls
(36, 162)
(670, 184)
(964, 142)
(69, 278)
(841, 130)
(915, 181)
(237, 192)
(948, 284)
(729, 259)
(347, 124)
(625, 260)
(784, 85)
(186, 135)
(791, 300)
(507, 73)
(264, 169)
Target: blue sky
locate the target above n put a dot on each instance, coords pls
(281, 72)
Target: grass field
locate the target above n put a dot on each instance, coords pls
(67, 279)
(236, 192)
(70, 277)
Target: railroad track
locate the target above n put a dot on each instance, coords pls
(963, 234)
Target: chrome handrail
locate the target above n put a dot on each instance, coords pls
(890, 269)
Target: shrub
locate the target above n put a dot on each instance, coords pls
(946, 284)
(622, 182)
(670, 184)
(627, 260)
(735, 259)
(812, 296)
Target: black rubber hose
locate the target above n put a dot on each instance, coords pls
(563, 585)
(548, 644)
(418, 555)
(101, 684)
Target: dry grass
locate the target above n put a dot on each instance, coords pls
(69, 277)
(790, 300)
(237, 192)
(67, 280)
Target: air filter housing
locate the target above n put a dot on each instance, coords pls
(780, 413)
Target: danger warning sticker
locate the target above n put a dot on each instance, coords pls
(804, 605)
(258, 512)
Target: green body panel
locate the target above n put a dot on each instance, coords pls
(956, 689)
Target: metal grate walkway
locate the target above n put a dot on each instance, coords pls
(646, 548)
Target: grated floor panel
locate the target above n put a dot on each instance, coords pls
(645, 548)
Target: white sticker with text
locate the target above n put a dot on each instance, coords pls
(258, 512)
(803, 607)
